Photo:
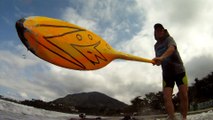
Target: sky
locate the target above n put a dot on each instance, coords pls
(127, 25)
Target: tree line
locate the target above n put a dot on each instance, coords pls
(200, 91)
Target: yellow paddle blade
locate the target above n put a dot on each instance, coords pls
(67, 45)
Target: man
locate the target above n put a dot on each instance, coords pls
(173, 70)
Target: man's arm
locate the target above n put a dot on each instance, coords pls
(169, 51)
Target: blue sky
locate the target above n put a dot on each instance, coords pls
(12, 10)
(127, 25)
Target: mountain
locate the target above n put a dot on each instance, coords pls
(91, 102)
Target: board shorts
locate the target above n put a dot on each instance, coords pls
(179, 79)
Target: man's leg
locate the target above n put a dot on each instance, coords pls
(183, 92)
(167, 95)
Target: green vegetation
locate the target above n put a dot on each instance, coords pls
(200, 97)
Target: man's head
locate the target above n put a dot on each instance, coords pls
(158, 31)
(158, 26)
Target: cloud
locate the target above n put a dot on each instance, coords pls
(120, 79)
(16, 70)
(115, 21)
(125, 80)
(72, 16)
(199, 67)
(128, 27)
(119, 22)
(189, 24)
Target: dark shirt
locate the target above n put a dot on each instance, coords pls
(173, 64)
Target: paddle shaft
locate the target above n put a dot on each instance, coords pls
(126, 56)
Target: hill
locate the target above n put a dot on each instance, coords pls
(91, 102)
(90, 99)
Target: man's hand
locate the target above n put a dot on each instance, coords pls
(158, 60)
(169, 51)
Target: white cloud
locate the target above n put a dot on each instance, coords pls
(189, 24)
(112, 20)
(72, 16)
(126, 80)
(127, 26)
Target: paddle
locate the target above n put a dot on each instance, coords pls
(68, 45)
